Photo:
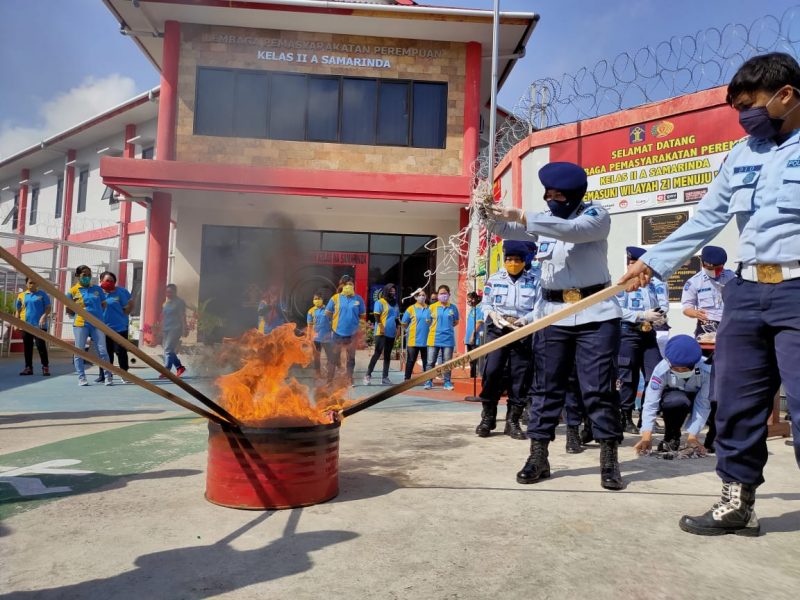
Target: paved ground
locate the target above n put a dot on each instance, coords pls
(426, 510)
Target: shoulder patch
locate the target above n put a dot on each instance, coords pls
(592, 212)
(687, 286)
(655, 383)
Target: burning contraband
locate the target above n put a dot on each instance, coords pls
(262, 393)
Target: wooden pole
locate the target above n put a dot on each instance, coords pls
(40, 333)
(135, 350)
(464, 359)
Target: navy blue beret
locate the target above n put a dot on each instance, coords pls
(634, 252)
(682, 351)
(714, 255)
(517, 248)
(563, 176)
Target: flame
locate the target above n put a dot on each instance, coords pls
(261, 393)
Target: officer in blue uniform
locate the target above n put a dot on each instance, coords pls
(508, 296)
(638, 347)
(758, 340)
(573, 251)
(702, 294)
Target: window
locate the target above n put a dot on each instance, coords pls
(14, 214)
(345, 242)
(320, 108)
(148, 153)
(385, 244)
(59, 197)
(83, 180)
(34, 206)
(110, 197)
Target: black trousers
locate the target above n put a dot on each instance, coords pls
(638, 355)
(473, 364)
(320, 347)
(383, 345)
(114, 348)
(411, 359)
(518, 356)
(27, 349)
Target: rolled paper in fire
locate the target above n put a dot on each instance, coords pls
(464, 359)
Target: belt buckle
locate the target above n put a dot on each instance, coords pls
(572, 295)
(769, 273)
(646, 326)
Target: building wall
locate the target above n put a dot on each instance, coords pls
(201, 46)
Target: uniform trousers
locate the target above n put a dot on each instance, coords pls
(675, 407)
(573, 402)
(517, 356)
(28, 340)
(383, 345)
(411, 359)
(638, 354)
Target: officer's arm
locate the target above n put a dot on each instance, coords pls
(652, 398)
(513, 231)
(702, 404)
(592, 225)
(689, 299)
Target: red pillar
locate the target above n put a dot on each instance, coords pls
(66, 226)
(472, 103)
(157, 257)
(22, 209)
(167, 103)
(125, 214)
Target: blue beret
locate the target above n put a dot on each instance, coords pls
(517, 248)
(682, 351)
(634, 252)
(714, 255)
(563, 176)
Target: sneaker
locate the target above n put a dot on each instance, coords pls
(180, 371)
(82, 381)
(386, 381)
(100, 379)
(46, 371)
(26, 371)
(367, 379)
(428, 386)
(449, 386)
(109, 381)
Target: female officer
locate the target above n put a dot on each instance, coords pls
(119, 305)
(442, 322)
(33, 307)
(92, 298)
(346, 310)
(415, 321)
(386, 315)
(319, 331)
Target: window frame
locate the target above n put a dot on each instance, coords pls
(83, 189)
(33, 207)
(59, 208)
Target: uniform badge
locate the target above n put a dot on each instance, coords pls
(793, 163)
(592, 212)
(688, 286)
(749, 177)
(655, 383)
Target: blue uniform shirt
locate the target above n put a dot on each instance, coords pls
(90, 298)
(759, 185)
(443, 319)
(31, 306)
(386, 315)
(345, 313)
(509, 298)
(573, 254)
(474, 325)
(318, 320)
(114, 316)
(416, 319)
(664, 379)
(652, 297)
(705, 293)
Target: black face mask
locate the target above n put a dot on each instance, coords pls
(564, 209)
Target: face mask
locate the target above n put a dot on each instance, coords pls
(420, 298)
(317, 302)
(514, 268)
(348, 290)
(443, 298)
(713, 273)
(758, 122)
(683, 375)
(85, 280)
(108, 286)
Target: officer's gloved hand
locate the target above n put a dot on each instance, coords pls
(651, 315)
(644, 445)
(510, 214)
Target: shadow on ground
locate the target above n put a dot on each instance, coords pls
(84, 414)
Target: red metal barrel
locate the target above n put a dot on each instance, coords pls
(261, 469)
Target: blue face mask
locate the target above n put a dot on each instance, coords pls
(85, 280)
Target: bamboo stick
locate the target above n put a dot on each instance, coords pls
(464, 359)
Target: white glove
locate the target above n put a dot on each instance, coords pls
(651, 315)
(499, 212)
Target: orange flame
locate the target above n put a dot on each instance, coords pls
(261, 393)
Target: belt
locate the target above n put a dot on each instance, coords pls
(572, 295)
(644, 326)
(770, 273)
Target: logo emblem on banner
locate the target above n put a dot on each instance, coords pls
(662, 129)
(623, 203)
(636, 134)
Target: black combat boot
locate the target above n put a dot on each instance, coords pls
(573, 441)
(733, 513)
(586, 432)
(537, 466)
(513, 415)
(628, 426)
(610, 477)
(488, 419)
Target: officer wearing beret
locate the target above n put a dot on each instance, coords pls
(638, 352)
(702, 293)
(509, 295)
(758, 340)
(679, 385)
(573, 248)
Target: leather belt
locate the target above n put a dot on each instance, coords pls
(770, 272)
(572, 295)
(643, 326)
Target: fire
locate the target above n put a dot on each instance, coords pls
(262, 393)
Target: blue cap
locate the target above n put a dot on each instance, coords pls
(634, 252)
(714, 255)
(563, 176)
(517, 248)
(682, 351)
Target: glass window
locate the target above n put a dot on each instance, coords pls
(393, 113)
(359, 100)
(385, 243)
(110, 197)
(384, 268)
(250, 116)
(214, 104)
(415, 243)
(323, 109)
(14, 214)
(287, 119)
(345, 242)
(34, 206)
(148, 153)
(83, 181)
(59, 196)
(430, 115)
(307, 240)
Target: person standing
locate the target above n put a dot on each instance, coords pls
(638, 348)
(474, 329)
(119, 305)
(573, 250)
(33, 306)
(345, 310)
(173, 328)
(319, 332)
(415, 322)
(386, 316)
(508, 296)
(443, 319)
(91, 298)
(271, 310)
(702, 293)
(758, 339)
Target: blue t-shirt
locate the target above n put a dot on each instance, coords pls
(386, 315)
(474, 320)
(114, 316)
(173, 315)
(91, 298)
(345, 313)
(416, 320)
(318, 320)
(443, 319)
(31, 306)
